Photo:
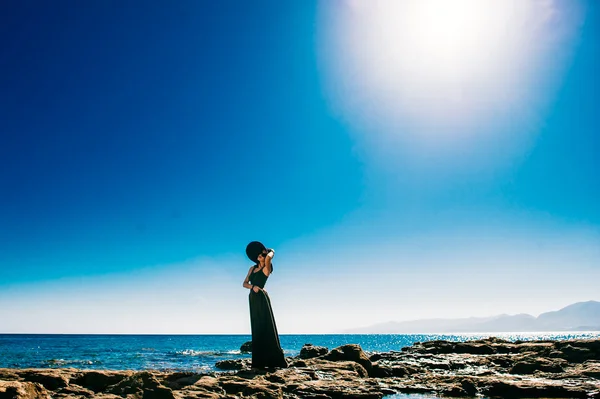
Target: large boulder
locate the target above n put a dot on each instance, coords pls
(309, 351)
(350, 352)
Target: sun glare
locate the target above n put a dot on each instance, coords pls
(439, 69)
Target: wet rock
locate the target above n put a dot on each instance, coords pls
(246, 347)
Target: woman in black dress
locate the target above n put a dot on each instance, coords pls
(266, 349)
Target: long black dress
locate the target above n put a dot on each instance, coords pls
(266, 349)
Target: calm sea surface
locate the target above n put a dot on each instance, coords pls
(195, 352)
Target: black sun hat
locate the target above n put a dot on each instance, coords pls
(254, 249)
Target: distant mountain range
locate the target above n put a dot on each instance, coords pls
(581, 316)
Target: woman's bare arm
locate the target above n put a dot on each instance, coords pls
(268, 259)
(246, 283)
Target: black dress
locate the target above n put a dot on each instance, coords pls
(266, 349)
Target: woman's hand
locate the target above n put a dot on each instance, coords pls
(256, 288)
(270, 253)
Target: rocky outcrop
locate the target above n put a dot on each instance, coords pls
(246, 347)
(490, 368)
(309, 351)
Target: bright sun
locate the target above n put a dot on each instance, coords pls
(438, 68)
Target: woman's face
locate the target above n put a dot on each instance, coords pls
(261, 257)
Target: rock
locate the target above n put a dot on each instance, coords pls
(456, 391)
(380, 371)
(474, 348)
(375, 357)
(159, 392)
(233, 364)
(76, 391)
(50, 379)
(469, 387)
(309, 351)
(350, 352)
(532, 389)
(254, 388)
(179, 380)
(577, 354)
(539, 364)
(134, 384)
(246, 347)
(437, 367)
(98, 381)
(298, 363)
(591, 369)
(22, 390)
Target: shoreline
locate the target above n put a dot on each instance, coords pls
(467, 333)
(492, 367)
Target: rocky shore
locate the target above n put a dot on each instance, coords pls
(488, 368)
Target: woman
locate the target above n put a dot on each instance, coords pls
(266, 349)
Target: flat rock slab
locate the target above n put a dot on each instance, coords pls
(491, 367)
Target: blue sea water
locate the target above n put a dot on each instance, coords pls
(196, 352)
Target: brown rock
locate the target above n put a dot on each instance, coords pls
(531, 389)
(381, 371)
(135, 383)
(591, 369)
(98, 381)
(179, 380)
(350, 352)
(75, 391)
(256, 387)
(22, 390)
(309, 351)
(49, 378)
(233, 364)
(474, 348)
(159, 392)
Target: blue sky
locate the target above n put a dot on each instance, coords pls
(399, 173)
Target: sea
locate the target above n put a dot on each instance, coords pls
(199, 353)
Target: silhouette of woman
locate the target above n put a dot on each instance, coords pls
(266, 349)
